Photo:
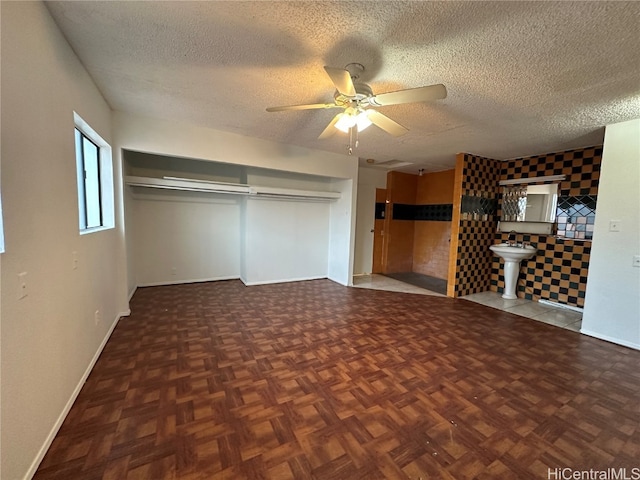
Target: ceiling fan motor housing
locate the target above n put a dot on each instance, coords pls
(363, 92)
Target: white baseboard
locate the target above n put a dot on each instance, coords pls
(217, 279)
(132, 293)
(283, 280)
(54, 431)
(607, 338)
(180, 282)
(348, 283)
(560, 305)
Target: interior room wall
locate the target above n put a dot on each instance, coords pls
(342, 231)
(285, 240)
(368, 180)
(170, 138)
(129, 237)
(49, 338)
(182, 237)
(399, 233)
(612, 305)
(432, 237)
(291, 180)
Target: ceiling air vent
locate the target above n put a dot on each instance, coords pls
(390, 164)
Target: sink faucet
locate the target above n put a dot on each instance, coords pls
(511, 239)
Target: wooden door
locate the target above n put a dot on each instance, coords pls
(378, 231)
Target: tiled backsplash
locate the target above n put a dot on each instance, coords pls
(430, 213)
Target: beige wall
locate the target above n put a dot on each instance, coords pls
(368, 180)
(49, 338)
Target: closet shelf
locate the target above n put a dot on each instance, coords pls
(194, 185)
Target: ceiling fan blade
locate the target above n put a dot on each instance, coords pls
(330, 130)
(303, 107)
(420, 94)
(386, 124)
(342, 80)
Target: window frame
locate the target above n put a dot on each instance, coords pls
(82, 166)
(104, 170)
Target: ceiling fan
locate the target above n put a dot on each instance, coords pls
(358, 102)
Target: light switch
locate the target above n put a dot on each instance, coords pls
(636, 260)
(614, 225)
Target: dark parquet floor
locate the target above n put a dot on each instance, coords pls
(315, 380)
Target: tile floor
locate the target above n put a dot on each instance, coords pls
(560, 317)
(380, 282)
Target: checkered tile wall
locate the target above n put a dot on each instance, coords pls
(473, 258)
(581, 167)
(559, 271)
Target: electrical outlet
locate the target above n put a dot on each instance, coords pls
(74, 260)
(22, 285)
(174, 270)
(614, 225)
(97, 317)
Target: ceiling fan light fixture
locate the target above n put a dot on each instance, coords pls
(350, 119)
(345, 122)
(362, 120)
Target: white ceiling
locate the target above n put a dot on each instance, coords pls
(523, 78)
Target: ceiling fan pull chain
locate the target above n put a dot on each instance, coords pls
(350, 148)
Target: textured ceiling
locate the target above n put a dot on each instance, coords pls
(523, 78)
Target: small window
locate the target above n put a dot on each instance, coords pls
(95, 179)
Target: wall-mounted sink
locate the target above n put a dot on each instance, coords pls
(513, 252)
(512, 255)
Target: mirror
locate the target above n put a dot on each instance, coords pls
(530, 203)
